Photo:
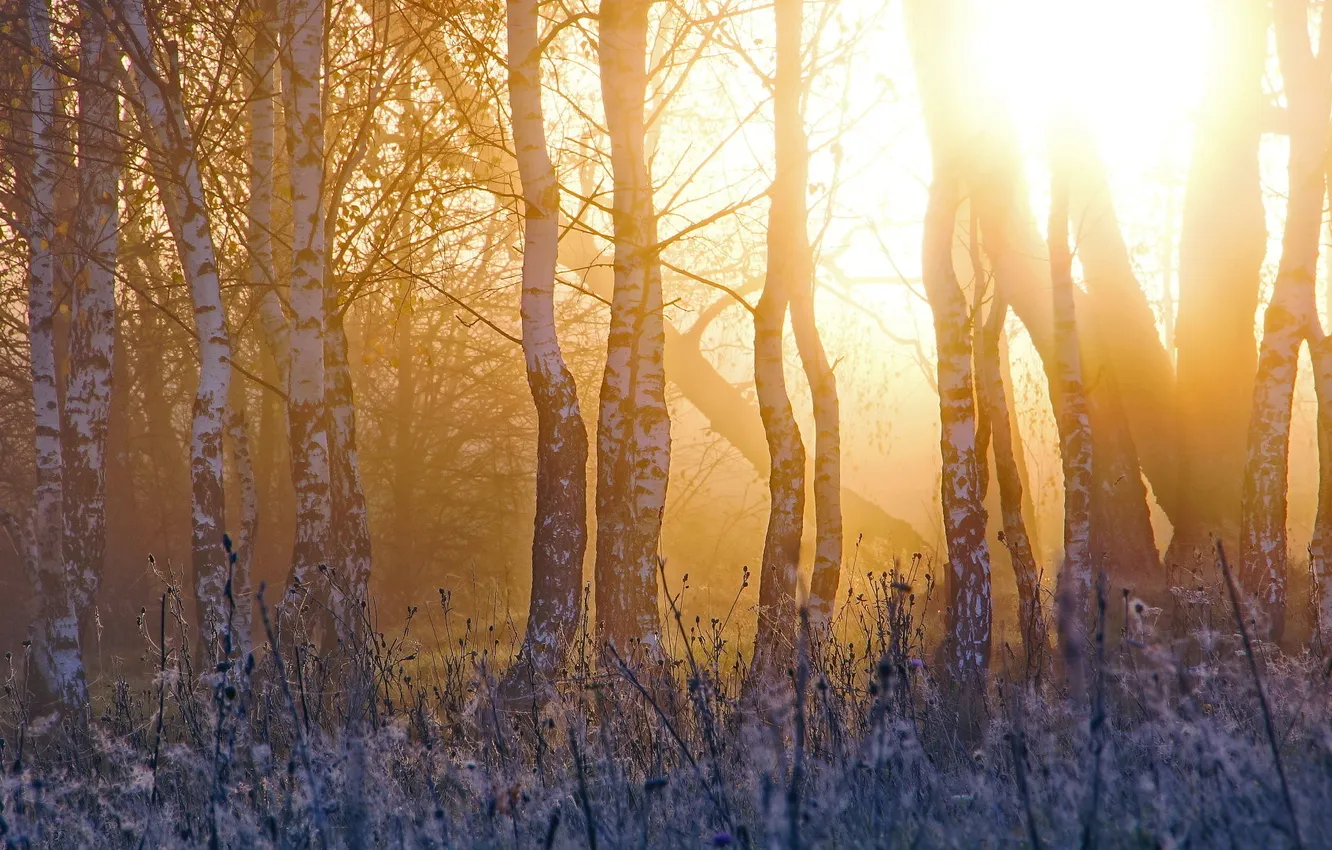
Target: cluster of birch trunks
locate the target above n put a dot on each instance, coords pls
(1206, 426)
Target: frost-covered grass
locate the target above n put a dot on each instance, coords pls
(857, 747)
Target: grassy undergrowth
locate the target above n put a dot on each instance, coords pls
(401, 742)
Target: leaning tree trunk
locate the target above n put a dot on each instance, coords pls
(1075, 442)
(983, 143)
(559, 534)
(1223, 240)
(633, 424)
(788, 270)
(55, 646)
(992, 404)
(1290, 318)
(792, 157)
(969, 601)
(302, 58)
(176, 166)
(93, 315)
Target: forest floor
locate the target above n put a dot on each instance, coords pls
(1178, 740)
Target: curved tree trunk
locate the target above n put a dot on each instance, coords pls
(792, 155)
(633, 424)
(93, 319)
(969, 601)
(1290, 318)
(559, 536)
(980, 140)
(993, 423)
(788, 270)
(177, 168)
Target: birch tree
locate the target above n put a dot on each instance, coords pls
(55, 644)
(633, 424)
(176, 167)
(967, 647)
(93, 311)
(793, 147)
(302, 67)
(559, 538)
(788, 270)
(1075, 435)
(993, 420)
(1290, 318)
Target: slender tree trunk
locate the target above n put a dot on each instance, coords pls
(239, 587)
(559, 538)
(93, 320)
(405, 459)
(792, 150)
(633, 424)
(987, 154)
(172, 147)
(302, 59)
(1290, 318)
(992, 414)
(1075, 441)
(788, 271)
(1320, 546)
(55, 651)
(970, 607)
(351, 527)
(1223, 240)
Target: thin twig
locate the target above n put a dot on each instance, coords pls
(1262, 695)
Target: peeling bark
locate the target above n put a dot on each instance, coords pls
(93, 315)
(1290, 318)
(633, 424)
(970, 607)
(559, 536)
(55, 649)
(301, 60)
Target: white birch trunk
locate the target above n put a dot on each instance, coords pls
(56, 655)
(788, 272)
(793, 146)
(992, 404)
(633, 425)
(1290, 318)
(302, 58)
(559, 539)
(970, 604)
(177, 168)
(1075, 443)
(93, 319)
